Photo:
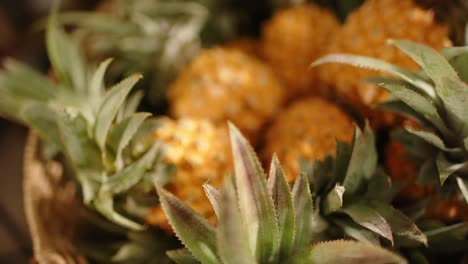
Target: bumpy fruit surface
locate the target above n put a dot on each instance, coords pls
(306, 130)
(366, 32)
(224, 84)
(292, 39)
(201, 153)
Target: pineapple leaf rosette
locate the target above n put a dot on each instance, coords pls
(260, 220)
(92, 127)
(436, 98)
(352, 196)
(157, 38)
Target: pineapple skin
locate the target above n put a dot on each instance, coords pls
(292, 39)
(366, 32)
(201, 153)
(307, 129)
(224, 84)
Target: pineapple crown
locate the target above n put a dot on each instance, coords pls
(157, 38)
(259, 220)
(352, 196)
(436, 97)
(76, 116)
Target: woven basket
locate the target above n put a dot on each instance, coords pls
(51, 208)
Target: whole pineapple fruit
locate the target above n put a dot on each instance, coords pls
(307, 129)
(366, 32)
(292, 39)
(200, 152)
(224, 84)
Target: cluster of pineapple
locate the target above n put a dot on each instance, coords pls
(267, 89)
(212, 189)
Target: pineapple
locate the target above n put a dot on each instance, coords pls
(93, 128)
(365, 32)
(436, 99)
(225, 84)
(293, 38)
(200, 153)
(155, 37)
(259, 221)
(306, 130)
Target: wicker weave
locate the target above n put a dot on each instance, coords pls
(51, 208)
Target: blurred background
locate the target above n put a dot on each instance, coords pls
(18, 40)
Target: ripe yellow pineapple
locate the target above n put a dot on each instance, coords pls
(292, 39)
(365, 32)
(308, 130)
(224, 84)
(201, 153)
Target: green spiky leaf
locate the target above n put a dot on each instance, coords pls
(214, 195)
(110, 106)
(182, 256)
(346, 252)
(357, 232)
(334, 199)
(418, 103)
(126, 178)
(79, 148)
(380, 65)
(40, 117)
(192, 229)
(451, 52)
(400, 224)
(432, 139)
(363, 161)
(96, 87)
(65, 56)
(303, 212)
(446, 168)
(282, 198)
(231, 234)
(370, 218)
(430, 60)
(463, 185)
(255, 203)
(122, 133)
(104, 203)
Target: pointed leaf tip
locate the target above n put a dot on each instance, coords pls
(111, 105)
(282, 199)
(303, 212)
(191, 228)
(214, 196)
(255, 203)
